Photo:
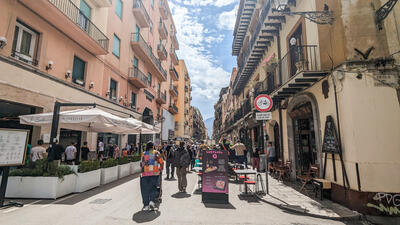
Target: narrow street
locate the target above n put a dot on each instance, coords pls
(120, 203)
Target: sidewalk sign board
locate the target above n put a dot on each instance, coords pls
(13, 146)
(215, 183)
(263, 103)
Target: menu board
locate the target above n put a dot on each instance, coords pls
(331, 143)
(215, 168)
(13, 145)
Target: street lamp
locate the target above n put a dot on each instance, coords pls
(281, 5)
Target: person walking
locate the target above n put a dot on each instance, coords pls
(38, 151)
(170, 152)
(182, 161)
(70, 154)
(239, 149)
(116, 152)
(151, 164)
(256, 159)
(101, 149)
(85, 151)
(271, 154)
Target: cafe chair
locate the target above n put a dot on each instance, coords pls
(308, 176)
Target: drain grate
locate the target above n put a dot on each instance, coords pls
(100, 201)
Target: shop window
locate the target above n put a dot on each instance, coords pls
(113, 90)
(78, 71)
(25, 44)
(116, 46)
(118, 8)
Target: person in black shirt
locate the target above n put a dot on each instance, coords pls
(84, 151)
(58, 150)
(256, 159)
(170, 159)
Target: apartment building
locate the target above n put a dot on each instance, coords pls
(199, 129)
(183, 128)
(115, 53)
(331, 69)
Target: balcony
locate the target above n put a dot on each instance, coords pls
(186, 100)
(173, 109)
(161, 98)
(162, 30)
(67, 17)
(141, 48)
(174, 57)
(174, 41)
(173, 91)
(163, 10)
(140, 13)
(162, 53)
(173, 73)
(137, 78)
(101, 3)
(244, 15)
(300, 69)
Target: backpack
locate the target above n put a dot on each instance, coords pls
(184, 158)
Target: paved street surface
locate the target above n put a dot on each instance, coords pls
(120, 203)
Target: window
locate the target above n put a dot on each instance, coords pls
(150, 51)
(151, 27)
(24, 43)
(78, 71)
(135, 62)
(152, 4)
(85, 9)
(116, 46)
(113, 90)
(118, 8)
(149, 78)
(133, 100)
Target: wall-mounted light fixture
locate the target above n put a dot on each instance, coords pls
(121, 98)
(49, 66)
(318, 17)
(108, 93)
(67, 74)
(3, 42)
(91, 85)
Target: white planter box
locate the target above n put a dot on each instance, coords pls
(88, 180)
(109, 175)
(40, 187)
(135, 167)
(124, 170)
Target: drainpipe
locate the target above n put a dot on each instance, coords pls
(278, 37)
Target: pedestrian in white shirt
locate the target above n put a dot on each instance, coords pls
(101, 149)
(38, 151)
(70, 153)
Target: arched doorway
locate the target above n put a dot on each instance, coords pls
(304, 135)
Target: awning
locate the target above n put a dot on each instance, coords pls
(92, 120)
(144, 128)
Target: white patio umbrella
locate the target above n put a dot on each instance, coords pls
(144, 128)
(92, 120)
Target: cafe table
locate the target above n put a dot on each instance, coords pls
(245, 172)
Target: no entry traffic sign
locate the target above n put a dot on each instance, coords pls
(263, 103)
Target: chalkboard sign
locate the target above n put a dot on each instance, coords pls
(330, 137)
(13, 145)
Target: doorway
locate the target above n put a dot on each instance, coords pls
(304, 137)
(296, 49)
(277, 141)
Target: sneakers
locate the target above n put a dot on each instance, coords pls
(152, 205)
(146, 208)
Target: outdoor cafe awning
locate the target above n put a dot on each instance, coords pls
(92, 120)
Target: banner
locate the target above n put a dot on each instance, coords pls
(215, 171)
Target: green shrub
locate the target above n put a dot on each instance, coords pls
(109, 163)
(123, 160)
(88, 166)
(42, 168)
(135, 158)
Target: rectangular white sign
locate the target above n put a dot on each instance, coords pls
(13, 145)
(264, 116)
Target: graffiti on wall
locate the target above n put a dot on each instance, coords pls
(386, 203)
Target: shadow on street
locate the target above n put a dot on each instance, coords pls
(219, 206)
(145, 216)
(181, 195)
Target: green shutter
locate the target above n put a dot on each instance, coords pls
(116, 46)
(118, 8)
(78, 71)
(85, 9)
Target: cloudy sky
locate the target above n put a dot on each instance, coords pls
(204, 30)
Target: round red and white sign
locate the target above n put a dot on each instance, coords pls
(263, 103)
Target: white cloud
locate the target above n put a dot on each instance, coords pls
(226, 20)
(206, 75)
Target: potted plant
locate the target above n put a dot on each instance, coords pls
(41, 179)
(109, 171)
(135, 164)
(88, 175)
(124, 168)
